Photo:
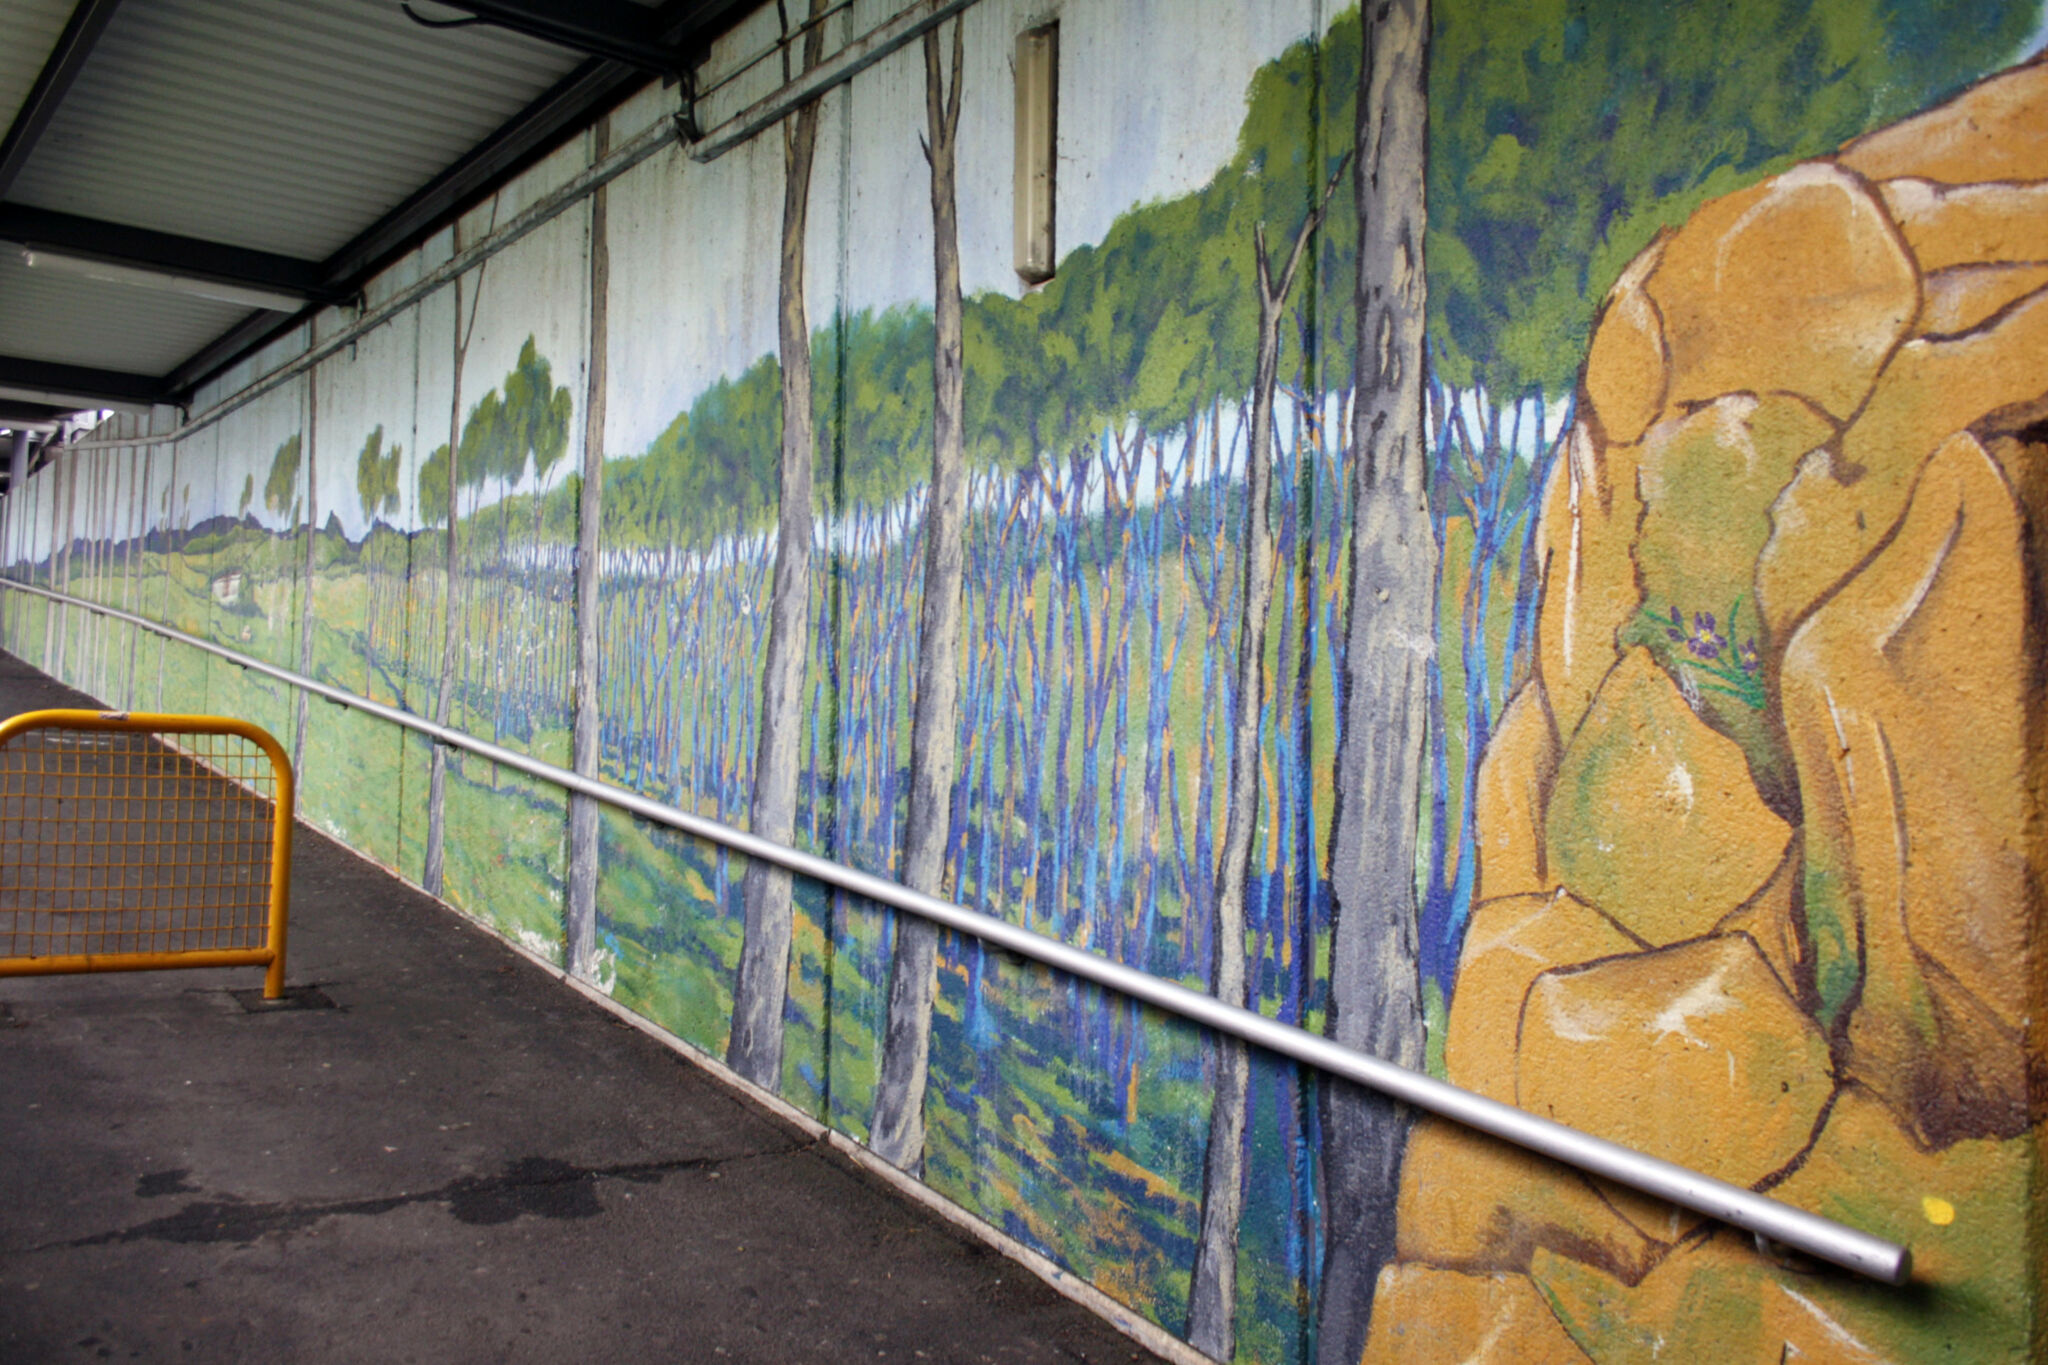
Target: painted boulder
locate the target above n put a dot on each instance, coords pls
(1760, 837)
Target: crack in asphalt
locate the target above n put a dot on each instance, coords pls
(537, 1185)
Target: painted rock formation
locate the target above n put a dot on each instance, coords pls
(1759, 835)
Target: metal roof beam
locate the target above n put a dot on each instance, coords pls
(686, 26)
(616, 30)
(692, 24)
(37, 418)
(67, 59)
(563, 110)
(523, 139)
(14, 413)
(120, 244)
(78, 386)
(683, 27)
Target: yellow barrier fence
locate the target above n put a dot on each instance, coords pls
(132, 842)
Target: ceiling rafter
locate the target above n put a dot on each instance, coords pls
(616, 30)
(559, 113)
(53, 380)
(122, 244)
(14, 412)
(74, 46)
(625, 41)
(575, 102)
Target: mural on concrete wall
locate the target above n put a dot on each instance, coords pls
(1597, 669)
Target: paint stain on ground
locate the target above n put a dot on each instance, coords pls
(157, 1184)
(537, 1185)
(541, 1187)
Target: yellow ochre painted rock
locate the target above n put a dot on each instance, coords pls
(1969, 224)
(1692, 1053)
(1934, 388)
(1654, 817)
(1589, 578)
(1996, 130)
(1962, 1210)
(1512, 789)
(1905, 702)
(1426, 1316)
(1627, 374)
(1967, 296)
(1772, 919)
(1708, 479)
(1799, 284)
(1715, 1302)
(1509, 943)
(1473, 1202)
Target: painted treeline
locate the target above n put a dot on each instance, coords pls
(1165, 609)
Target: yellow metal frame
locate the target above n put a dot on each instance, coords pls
(282, 800)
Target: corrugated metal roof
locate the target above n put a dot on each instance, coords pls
(197, 140)
(75, 321)
(337, 108)
(28, 30)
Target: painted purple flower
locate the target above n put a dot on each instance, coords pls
(1746, 655)
(1703, 642)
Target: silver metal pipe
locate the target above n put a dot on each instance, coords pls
(837, 69)
(1815, 1236)
(651, 139)
(840, 67)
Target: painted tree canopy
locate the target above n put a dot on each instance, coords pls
(501, 437)
(1564, 134)
(536, 416)
(377, 477)
(283, 479)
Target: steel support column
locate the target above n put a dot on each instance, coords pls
(17, 483)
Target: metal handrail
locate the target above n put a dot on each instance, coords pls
(1767, 1218)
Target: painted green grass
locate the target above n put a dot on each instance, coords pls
(1102, 1173)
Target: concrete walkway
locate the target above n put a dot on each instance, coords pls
(463, 1160)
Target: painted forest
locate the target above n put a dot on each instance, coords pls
(1150, 477)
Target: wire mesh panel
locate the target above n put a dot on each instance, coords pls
(131, 842)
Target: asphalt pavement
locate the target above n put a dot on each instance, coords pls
(448, 1157)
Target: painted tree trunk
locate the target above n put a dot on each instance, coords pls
(64, 650)
(434, 867)
(17, 520)
(136, 527)
(17, 489)
(53, 619)
(761, 984)
(1375, 989)
(312, 546)
(82, 656)
(106, 487)
(580, 919)
(47, 486)
(163, 650)
(897, 1135)
(1212, 1288)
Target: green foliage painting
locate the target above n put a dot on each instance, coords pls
(1155, 491)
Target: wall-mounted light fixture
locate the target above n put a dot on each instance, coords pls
(193, 286)
(1038, 89)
